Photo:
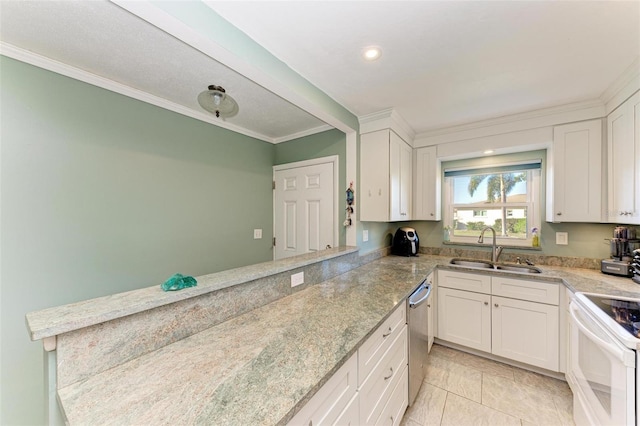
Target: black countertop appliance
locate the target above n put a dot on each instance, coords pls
(405, 242)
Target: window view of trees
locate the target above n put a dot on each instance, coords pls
(497, 200)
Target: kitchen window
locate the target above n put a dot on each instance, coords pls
(504, 197)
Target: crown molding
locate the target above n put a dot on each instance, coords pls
(66, 70)
(623, 87)
(568, 113)
(387, 119)
(303, 133)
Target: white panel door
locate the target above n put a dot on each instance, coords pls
(303, 209)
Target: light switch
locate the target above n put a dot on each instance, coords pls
(365, 236)
(257, 234)
(562, 238)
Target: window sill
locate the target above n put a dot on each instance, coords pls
(455, 243)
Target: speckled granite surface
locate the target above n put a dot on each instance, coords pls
(262, 366)
(62, 319)
(257, 368)
(102, 346)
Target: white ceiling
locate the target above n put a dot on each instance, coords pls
(443, 63)
(446, 63)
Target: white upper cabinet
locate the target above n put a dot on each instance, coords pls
(426, 170)
(623, 143)
(385, 177)
(577, 173)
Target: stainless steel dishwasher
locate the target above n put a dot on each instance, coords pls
(417, 318)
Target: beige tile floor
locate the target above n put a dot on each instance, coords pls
(463, 389)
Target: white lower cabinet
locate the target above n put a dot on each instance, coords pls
(334, 400)
(464, 317)
(516, 319)
(376, 390)
(372, 387)
(393, 411)
(525, 332)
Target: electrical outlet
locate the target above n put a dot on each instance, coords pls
(257, 234)
(297, 279)
(365, 236)
(562, 238)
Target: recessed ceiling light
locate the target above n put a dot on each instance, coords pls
(371, 53)
(489, 151)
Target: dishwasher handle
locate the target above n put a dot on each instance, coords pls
(413, 303)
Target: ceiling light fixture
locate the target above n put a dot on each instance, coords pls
(489, 151)
(372, 53)
(216, 101)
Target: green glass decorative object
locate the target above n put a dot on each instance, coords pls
(178, 282)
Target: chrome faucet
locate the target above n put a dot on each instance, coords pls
(495, 251)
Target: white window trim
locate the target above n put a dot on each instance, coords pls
(533, 205)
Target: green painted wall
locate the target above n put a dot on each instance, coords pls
(331, 142)
(102, 194)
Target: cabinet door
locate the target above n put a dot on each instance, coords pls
(399, 178)
(577, 172)
(330, 402)
(526, 332)
(395, 170)
(374, 176)
(406, 160)
(351, 415)
(464, 317)
(426, 185)
(623, 141)
(378, 387)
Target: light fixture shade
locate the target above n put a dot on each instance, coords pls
(216, 101)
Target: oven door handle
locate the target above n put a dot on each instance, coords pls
(615, 350)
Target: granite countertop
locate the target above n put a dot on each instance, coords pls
(261, 367)
(257, 368)
(61, 319)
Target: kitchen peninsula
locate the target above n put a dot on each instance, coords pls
(242, 347)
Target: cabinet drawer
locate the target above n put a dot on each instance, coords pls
(464, 281)
(325, 407)
(393, 412)
(379, 342)
(376, 390)
(533, 291)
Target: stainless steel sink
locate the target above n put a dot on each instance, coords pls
(484, 264)
(472, 263)
(518, 268)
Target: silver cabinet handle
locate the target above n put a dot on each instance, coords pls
(486, 303)
(559, 214)
(495, 304)
(385, 335)
(389, 376)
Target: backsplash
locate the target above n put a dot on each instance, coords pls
(538, 259)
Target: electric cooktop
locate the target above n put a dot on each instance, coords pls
(624, 312)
